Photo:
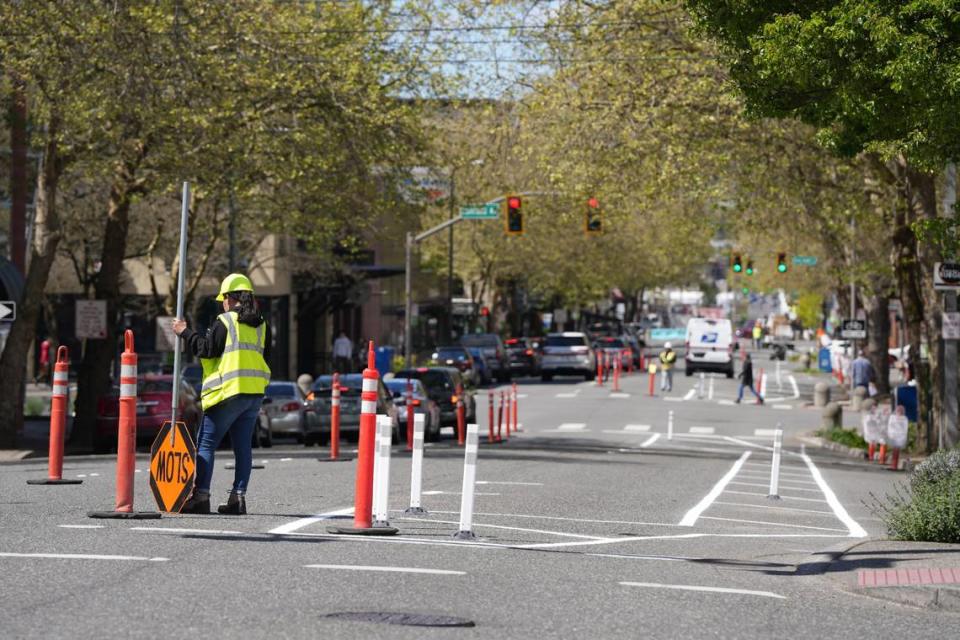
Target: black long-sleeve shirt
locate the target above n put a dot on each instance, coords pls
(207, 346)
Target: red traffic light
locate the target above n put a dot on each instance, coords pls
(513, 202)
(593, 203)
(484, 311)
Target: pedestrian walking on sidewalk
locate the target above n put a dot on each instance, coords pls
(342, 353)
(862, 371)
(668, 358)
(746, 380)
(235, 376)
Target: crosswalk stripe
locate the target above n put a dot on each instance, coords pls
(572, 426)
(702, 430)
(637, 427)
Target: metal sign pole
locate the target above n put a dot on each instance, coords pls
(181, 271)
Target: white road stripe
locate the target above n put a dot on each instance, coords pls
(689, 394)
(764, 432)
(706, 431)
(726, 403)
(562, 534)
(566, 395)
(763, 495)
(767, 506)
(673, 399)
(521, 484)
(79, 556)
(618, 394)
(690, 587)
(752, 475)
(796, 389)
(572, 426)
(306, 522)
(81, 526)
(521, 396)
(691, 517)
(856, 531)
(347, 567)
(539, 517)
(637, 427)
(221, 532)
(785, 407)
(772, 524)
(782, 486)
(710, 389)
(649, 441)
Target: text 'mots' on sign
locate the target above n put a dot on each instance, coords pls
(173, 466)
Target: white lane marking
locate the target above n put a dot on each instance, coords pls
(689, 394)
(538, 517)
(572, 426)
(856, 531)
(290, 527)
(673, 399)
(285, 459)
(618, 394)
(710, 389)
(500, 526)
(521, 396)
(691, 517)
(772, 524)
(785, 407)
(784, 468)
(637, 427)
(222, 532)
(81, 475)
(570, 394)
(746, 443)
(436, 492)
(706, 431)
(649, 441)
(599, 541)
(767, 506)
(138, 470)
(348, 567)
(432, 493)
(690, 587)
(81, 526)
(796, 389)
(763, 495)
(782, 486)
(726, 403)
(94, 475)
(520, 484)
(795, 479)
(769, 433)
(78, 556)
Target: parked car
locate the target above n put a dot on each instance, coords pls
(709, 346)
(442, 384)
(290, 413)
(457, 356)
(351, 386)
(422, 405)
(154, 407)
(568, 353)
(614, 348)
(482, 366)
(494, 350)
(636, 345)
(524, 356)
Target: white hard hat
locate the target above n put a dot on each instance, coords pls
(667, 345)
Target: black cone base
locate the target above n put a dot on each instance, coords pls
(364, 531)
(54, 481)
(464, 535)
(253, 466)
(415, 511)
(124, 515)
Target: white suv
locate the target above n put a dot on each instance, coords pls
(568, 353)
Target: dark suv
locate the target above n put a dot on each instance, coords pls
(493, 351)
(524, 356)
(442, 384)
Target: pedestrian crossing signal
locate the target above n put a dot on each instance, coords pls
(593, 218)
(514, 217)
(781, 263)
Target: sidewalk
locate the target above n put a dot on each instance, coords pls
(916, 574)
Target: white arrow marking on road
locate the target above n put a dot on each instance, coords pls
(347, 567)
(79, 556)
(691, 517)
(856, 531)
(688, 587)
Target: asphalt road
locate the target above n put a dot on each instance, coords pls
(592, 522)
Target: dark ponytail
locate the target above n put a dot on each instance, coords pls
(248, 312)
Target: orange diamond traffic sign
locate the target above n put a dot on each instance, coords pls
(173, 466)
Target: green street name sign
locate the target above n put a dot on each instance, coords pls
(480, 211)
(806, 261)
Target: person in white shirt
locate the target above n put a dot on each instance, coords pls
(342, 354)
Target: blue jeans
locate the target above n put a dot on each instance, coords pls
(746, 386)
(238, 415)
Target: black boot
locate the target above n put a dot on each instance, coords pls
(198, 502)
(236, 505)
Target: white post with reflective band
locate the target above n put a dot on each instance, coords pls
(779, 380)
(469, 481)
(701, 385)
(775, 465)
(381, 472)
(416, 467)
(670, 425)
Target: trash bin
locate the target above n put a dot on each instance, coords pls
(823, 360)
(383, 360)
(906, 396)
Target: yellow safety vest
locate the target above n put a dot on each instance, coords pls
(240, 369)
(667, 358)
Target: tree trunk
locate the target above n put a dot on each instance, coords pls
(94, 373)
(46, 237)
(878, 338)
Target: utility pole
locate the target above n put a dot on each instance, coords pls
(853, 294)
(452, 204)
(232, 233)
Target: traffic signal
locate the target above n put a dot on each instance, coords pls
(514, 216)
(745, 290)
(749, 267)
(781, 263)
(737, 263)
(593, 218)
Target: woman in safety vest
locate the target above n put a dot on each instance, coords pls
(234, 378)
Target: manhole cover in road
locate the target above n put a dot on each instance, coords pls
(406, 619)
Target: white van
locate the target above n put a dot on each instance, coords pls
(709, 346)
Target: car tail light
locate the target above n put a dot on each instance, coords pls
(415, 402)
(454, 399)
(529, 352)
(290, 406)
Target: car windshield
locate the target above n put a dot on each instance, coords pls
(275, 390)
(434, 380)
(349, 383)
(564, 341)
(452, 353)
(399, 385)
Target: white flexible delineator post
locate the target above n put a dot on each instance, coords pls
(670, 425)
(775, 465)
(700, 386)
(416, 467)
(381, 472)
(469, 481)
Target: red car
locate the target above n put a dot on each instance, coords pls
(154, 400)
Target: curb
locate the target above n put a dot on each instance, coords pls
(906, 463)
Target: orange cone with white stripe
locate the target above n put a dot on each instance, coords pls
(58, 421)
